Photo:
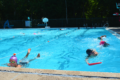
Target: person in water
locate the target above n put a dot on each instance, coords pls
(23, 62)
(91, 53)
(61, 29)
(100, 38)
(103, 43)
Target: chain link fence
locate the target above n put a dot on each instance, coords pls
(72, 22)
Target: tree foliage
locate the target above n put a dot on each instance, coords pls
(54, 9)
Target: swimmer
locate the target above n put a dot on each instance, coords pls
(103, 43)
(23, 62)
(100, 38)
(34, 33)
(91, 53)
(61, 29)
(23, 33)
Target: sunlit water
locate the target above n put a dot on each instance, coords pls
(61, 50)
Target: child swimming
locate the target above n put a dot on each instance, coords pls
(23, 62)
(91, 53)
(100, 38)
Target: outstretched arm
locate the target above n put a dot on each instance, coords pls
(87, 60)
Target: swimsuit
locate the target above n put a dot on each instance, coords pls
(24, 62)
(102, 42)
(105, 45)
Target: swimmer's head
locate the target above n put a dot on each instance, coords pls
(14, 58)
(89, 51)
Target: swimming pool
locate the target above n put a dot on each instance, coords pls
(66, 49)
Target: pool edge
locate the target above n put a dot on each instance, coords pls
(46, 72)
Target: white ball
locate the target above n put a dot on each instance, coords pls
(45, 20)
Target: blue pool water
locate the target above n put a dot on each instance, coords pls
(66, 49)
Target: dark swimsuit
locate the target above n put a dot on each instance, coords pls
(105, 45)
(24, 62)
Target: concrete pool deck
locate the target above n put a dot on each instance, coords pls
(10, 73)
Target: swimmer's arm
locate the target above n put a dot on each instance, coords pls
(87, 60)
(8, 64)
(19, 66)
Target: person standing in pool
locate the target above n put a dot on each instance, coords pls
(91, 53)
(23, 62)
(100, 38)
